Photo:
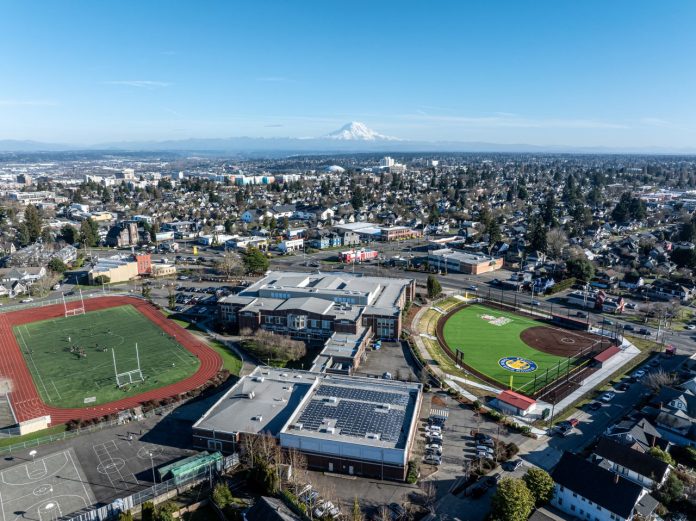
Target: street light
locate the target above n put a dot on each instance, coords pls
(33, 455)
(152, 465)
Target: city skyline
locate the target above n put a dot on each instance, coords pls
(589, 75)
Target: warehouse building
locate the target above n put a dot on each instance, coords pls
(352, 425)
(455, 261)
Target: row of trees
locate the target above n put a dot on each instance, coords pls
(515, 499)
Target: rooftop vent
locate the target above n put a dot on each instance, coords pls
(298, 426)
(384, 406)
(331, 399)
(256, 418)
(329, 430)
(251, 395)
(284, 375)
(372, 436)
(258, 378)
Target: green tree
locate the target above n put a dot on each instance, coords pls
(125, 516)
(148, 511)
(536, 235)
(684, 258)
(263, 477)
(540, 484)
(357, 200)
(102, 279)
(581, 269)
(56, 265)
(255, 261)
(672, 490)
(222, 496)
(434, 287)
(68, 233)
(146, 291)
(33, 222)
(657, 452)
(89, 233)
(512, 501)
(356, 514)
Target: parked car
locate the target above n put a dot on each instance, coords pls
(473, 288)
(690, 327)
(640, 373)
(512, 465)
(493, 479)
(629, 327)
(607, 322)
(432, 459)
(536, 303)
(608, 396)
(433, 436)
(581, 314)
(623, 386)
(27, 300)
(434, 448)
(594, 406)
(397, 512)
(326, 508)
(480, 436)
(644, 332)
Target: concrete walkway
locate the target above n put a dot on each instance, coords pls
(248, 363)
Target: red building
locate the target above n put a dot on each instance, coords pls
(144, 261)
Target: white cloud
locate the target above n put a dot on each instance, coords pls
(141, 84)
(508, 120)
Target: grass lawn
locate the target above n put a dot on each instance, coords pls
(69, 379)
(484, 344)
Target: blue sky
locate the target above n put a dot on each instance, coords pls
(582, 73)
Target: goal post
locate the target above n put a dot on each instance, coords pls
(79, 310)
(133, 376)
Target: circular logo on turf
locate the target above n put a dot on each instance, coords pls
(517, 364)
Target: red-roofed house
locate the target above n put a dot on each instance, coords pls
(514, 403)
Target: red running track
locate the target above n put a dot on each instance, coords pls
(25, 399)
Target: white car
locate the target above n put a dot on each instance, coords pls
(690, 327)
(27, 300)
(640, 373)
(434, 436)
(434, 448)
(483, 448)
(325, 508)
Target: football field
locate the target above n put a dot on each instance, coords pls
(71, 359)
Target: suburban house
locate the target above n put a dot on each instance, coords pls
(676, 417)
(640, 467)
(638, 434)
(588, 491)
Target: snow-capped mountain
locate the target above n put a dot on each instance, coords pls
(356, 131)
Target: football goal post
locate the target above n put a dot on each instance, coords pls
(78, 310)
(128, 377)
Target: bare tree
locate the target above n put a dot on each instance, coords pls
(298, 465)
(657, 379)
(383, 514)
(429, 495)
(556, 243)
(230, 265)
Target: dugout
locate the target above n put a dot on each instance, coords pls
(180, 470)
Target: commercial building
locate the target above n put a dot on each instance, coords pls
(353, 425)
(375, 232)
(314, 306)
(449, 260)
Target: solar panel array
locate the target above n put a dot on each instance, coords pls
(354, 419)
(363, 395)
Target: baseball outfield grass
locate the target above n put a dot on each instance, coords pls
(485, 336)
(72, 362)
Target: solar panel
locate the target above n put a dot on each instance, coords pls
(363, 395)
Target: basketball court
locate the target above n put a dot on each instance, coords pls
(44, 489)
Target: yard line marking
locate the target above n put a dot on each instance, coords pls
(38, 373)
(54, 386)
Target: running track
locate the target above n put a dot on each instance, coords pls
(27, 403)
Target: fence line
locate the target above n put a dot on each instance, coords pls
(67, 435)
(206, 473)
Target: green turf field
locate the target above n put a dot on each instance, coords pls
(85, 376)
(484, 344)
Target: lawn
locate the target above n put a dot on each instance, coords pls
(71, 358)
(484, 344)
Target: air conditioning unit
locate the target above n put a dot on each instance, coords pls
(372, 436)
(258, 378)
(256, 418)
(298, 426)
(331, 399)
(329, 430)
(251, 395)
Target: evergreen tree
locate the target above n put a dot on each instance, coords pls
(434, 287)
(33, 222)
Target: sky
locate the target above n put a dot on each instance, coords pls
(575, 73)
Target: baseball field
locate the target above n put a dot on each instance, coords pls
(500, 345)
(71, 359)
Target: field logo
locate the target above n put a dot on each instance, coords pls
(517, 364)
(496, 321)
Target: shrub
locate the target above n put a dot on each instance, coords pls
(412, 473)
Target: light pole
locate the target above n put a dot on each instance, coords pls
(33, 455)
(152, 465)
